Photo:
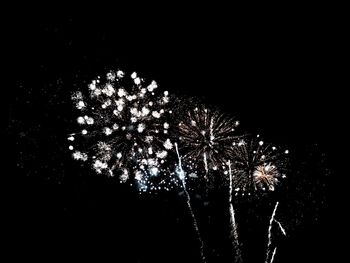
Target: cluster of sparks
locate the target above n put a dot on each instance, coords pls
(124, 130)
(130, 130)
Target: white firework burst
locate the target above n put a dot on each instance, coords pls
(125, 123)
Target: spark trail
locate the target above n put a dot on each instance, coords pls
(281, 228)
(234, 232)
(273, 255)
(181, 174)
(268, 251)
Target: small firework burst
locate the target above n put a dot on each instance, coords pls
(257, 165)
(125, 124)
(205, 138)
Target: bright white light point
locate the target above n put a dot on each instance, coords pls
(133, 75)
(71, 138)
(166, 93)
(258, 135)
(215, 168)
(119, 155)
(120, 108)
(121, 92)
(97, 92)
(145, 111)
(92, 86)
(154, 170)
(84, 132)
(120, 74)
(140, 150)
(273, 148)
(108, 131)
(137, 81)
(286, 151)
(166, 125)
(261, 143)
(123, 128)
(150, 103)
(237, 189)
(89, 120)
(140, 127)
(104, 106)
(133, 119)
(156, 114)
(263, 157)
(152, 86)
(170, 111)
(81, 104)
(161, 111)
(162, 161)
(80, 120)
(167, 144)
(71, 147)
(138, 175)
(225, 172)
(193, 123)
(110, 76)
(162, 154)
(150, 150)
(80, 156)
(236, 123)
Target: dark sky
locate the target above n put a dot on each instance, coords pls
(278, 76)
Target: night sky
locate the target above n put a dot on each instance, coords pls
(277, 76)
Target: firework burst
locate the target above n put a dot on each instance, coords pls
(205, 137)
(124, 129)
(258, 166)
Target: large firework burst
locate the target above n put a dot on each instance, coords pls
(257, 165)
(124, 129)
(205, 138)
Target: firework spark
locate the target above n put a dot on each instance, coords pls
(234, 231)
(125, 130)
(273, 255)
(182, 177)
(206, 136)
(269, 236)
(258, 166)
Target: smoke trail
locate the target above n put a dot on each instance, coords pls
(269, 234)
(188, 201)
(234, 232)
(273, 255)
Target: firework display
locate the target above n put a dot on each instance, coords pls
(130, 129)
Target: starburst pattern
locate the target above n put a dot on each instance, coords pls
(205, 137)
(258, 166)
(125, 129)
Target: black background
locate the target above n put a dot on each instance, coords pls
(278, 75)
